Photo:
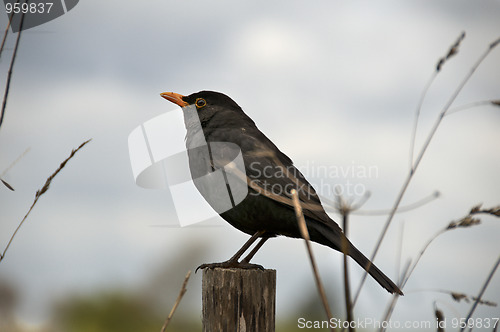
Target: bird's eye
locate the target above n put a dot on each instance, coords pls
(200, 102)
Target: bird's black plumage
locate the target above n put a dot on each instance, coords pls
(269, 176)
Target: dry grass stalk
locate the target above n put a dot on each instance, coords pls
(9, 74)
(494, 211)
(177, 301)
(392, 304)
(481, 292)
(6, 32)
(421, 154)
(439, 318)
(467, 298)
(459, 297)
(347, 287)
(464, 222)
(451, 52)
(412, 206)
(495, 43)
(305, 235)
(345, 209)
(10, 166)
(21, 156)
(39, 193)
(6, 184)
(417, 116)
(468, 220)
(473, 105)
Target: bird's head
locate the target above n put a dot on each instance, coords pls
(207, 103)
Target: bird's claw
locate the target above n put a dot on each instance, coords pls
(230, 265)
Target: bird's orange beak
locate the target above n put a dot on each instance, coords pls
(174, 98)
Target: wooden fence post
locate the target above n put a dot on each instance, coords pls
(238, 300)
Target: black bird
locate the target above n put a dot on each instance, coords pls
(217, 128)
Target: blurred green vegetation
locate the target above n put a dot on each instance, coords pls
(139, 310)
(145, 306)
(8, 301)
(114, 311)
(118, 311)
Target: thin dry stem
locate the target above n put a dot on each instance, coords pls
(420, 254)
(21, 156)
(459, 297)
(473, 105)
(10, 166)
(494, 211)
(305, 235)
(400, 254)
(420, 157)
(455, 296)
(481, 292)
(345, 209)
(9, 74)
(495, 43)
(177, 301)
(392, 304)
(7, 184)
(440, 320)
(4, 39)
(412, 206)
(451, 52)
(464, 222)
(39, 193)
(417, 116)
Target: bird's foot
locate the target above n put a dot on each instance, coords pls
(230, 264)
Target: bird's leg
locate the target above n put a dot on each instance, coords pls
(245, 247)
(233, 261)
(252, 253)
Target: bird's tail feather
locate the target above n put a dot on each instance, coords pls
(333, 238)
(374, 271)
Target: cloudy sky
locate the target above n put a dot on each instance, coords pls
(334, 84)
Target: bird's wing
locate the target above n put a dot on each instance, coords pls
(271, 173)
